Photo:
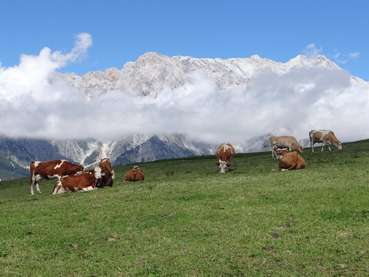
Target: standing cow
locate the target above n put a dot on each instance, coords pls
(224, 154)
(326, 137)
(289, 142)
(51, 169)
(289, 160)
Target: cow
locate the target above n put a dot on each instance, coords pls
(289, 142)
(107, 173)
(49, 170)
(289, 160)
(134, 174)
(224, 155)
(326, 137)
(81, 181)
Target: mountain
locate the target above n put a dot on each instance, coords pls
(152, 73)
(148, 76)
(16, 154)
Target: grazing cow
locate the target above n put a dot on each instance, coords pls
(107, 173)
(224, 154)
(326, 137)
(82, 181)
(289, 160)
(289, 142)
(51, 169)
(134, 174)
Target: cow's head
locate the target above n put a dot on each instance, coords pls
(223, 166)
(339, 146)
(77, 168)
(97, 172)
(281, 152)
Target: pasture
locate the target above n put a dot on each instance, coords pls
(186, 219)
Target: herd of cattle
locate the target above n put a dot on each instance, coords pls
(285, 149)
(73, 177)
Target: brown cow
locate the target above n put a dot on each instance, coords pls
(224, 154)
(134, 174)
(289, 160)
(289, 142)
(107, 173)
(51, 169)
(326, 137)
(82, 181)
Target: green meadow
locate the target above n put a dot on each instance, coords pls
(185, 219)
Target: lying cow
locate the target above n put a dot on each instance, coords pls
(224, 154)
(82, 181)
(134, 174)
(107, 173)
(51, 169)
(289, 160)
(289, 142)
(326, 137)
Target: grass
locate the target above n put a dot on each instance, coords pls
(186, 219)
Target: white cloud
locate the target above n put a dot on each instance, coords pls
(341, 58)
(36, 102)
(312, 50)
(354, 55)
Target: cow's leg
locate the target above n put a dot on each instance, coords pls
(38, 187)
(322, 147)
(58, 188)
(312, 145)
(32, 193)
(329, 147)
(31, 185)
(33, 181)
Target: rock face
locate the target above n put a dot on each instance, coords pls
(16, 154)
(153, 73)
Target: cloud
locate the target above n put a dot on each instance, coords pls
(36, 101)
(312, 50)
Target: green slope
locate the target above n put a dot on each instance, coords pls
(186, 219)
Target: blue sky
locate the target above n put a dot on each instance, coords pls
(124, 30)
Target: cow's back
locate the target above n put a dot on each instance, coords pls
(225, 152)
(292, 160)
(78, 182)
(45, 169)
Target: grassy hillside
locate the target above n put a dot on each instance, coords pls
(186, 219)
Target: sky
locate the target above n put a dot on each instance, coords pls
(39, 40)
(124, 30)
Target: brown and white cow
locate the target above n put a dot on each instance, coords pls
(289, 160)
(326, 137)
(51, 169)
(135, 174)
(224, 155)
(81, 181)
(107, 173)
(289, 142)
